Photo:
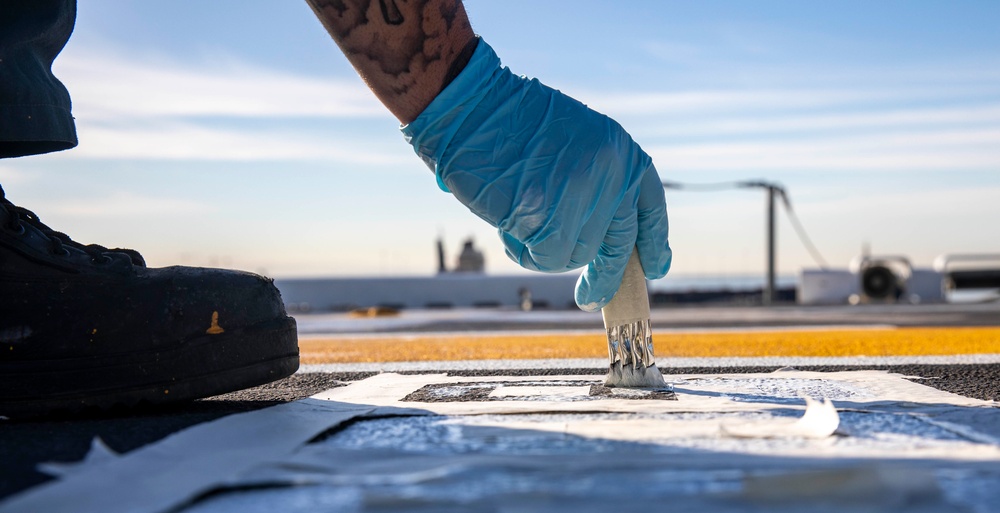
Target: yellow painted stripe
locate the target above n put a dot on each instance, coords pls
(497, 346)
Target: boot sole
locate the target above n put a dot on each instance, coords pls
(198, 367)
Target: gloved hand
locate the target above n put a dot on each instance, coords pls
(564, 185)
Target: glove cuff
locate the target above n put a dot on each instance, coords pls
(433, 130)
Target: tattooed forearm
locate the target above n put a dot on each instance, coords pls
(405, 50)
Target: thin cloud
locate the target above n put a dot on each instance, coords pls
(988, 114)
(112, 87)
(132, 109)
(190, 141)
(674, 51)
(9, 175)
(650, 103)
(931, 205)
(943, 150)
(126, 203)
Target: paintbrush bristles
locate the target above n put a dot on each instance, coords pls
(631, 344)
(630, 377)
(630, 348)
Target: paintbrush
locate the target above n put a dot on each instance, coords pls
(630, 337)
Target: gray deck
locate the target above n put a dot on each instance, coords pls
(921, 437)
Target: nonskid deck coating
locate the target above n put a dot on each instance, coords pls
(576, 344)
(552, 453)
(900, 446)
(360, 490)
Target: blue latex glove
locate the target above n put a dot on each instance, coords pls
(564, 185)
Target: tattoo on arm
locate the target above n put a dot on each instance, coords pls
(459, 63)
(390, 13)
(407, 51)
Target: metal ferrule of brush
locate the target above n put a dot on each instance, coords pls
(631, 344)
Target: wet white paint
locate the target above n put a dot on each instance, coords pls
(542, 393)
(818, 422)
(774, 388)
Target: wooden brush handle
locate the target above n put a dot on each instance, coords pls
(631, 302)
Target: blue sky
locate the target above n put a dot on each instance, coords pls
(234, 133)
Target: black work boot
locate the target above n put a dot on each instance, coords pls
(86, 326)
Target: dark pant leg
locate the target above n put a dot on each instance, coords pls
(34, 106)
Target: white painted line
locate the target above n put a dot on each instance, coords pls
(695, 393)
(380, 390)
(706, 405)
(881, 388)
(163, 475)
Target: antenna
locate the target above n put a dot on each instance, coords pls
(774, 191)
